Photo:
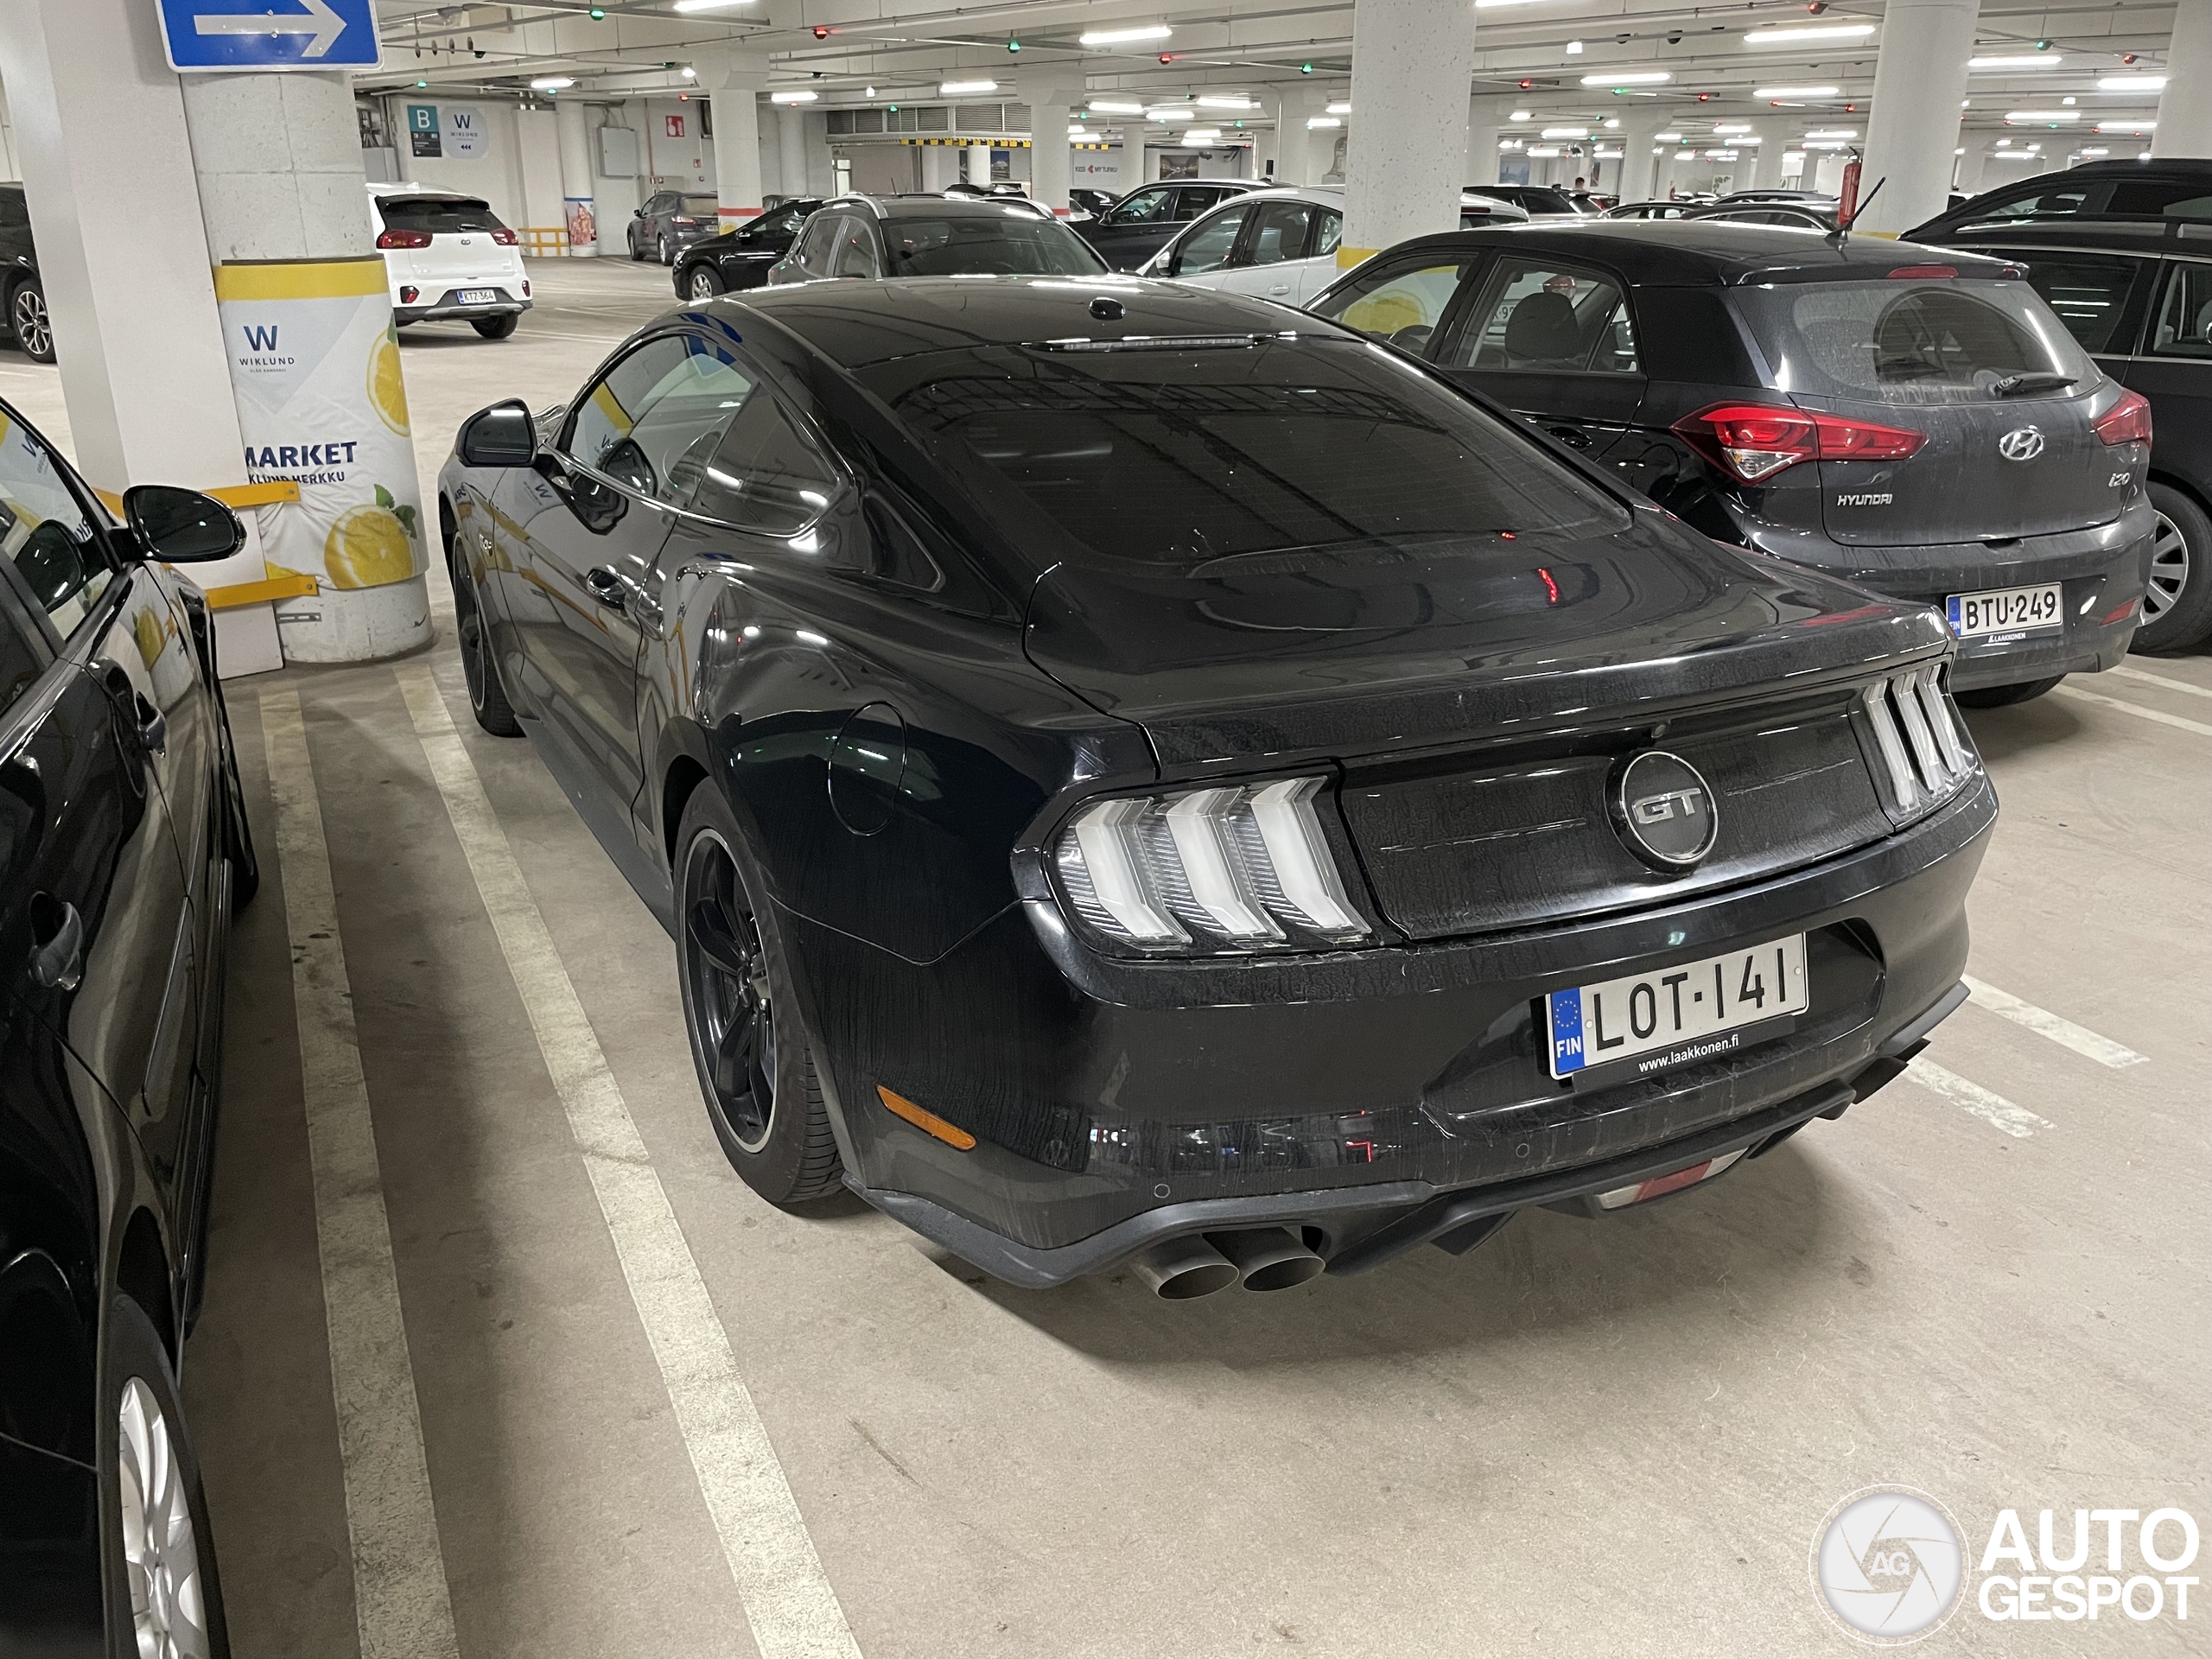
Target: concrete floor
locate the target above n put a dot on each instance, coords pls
(1611, 1437)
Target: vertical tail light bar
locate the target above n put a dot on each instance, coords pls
(1925, 757)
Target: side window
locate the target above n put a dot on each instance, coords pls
(14, 214)
(1193, 201)
(2160, 199)
(1141, 207)
(654, 418)
(813, 249)
(23, 656)
(1332, 234)
(1401, 302)
(56, 548)
(2047, 201)
(766, 474)
(1207, 246)
(2089, 292)
(855, 255)
(1279, 230)
(1538, 314)
(2183, 325)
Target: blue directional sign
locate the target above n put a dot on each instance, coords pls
(235, 35)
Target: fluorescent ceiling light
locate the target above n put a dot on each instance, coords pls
(1520, 115)
(1078, 132)
(1228, 104)
(1731, 126)
(792, 98)
(1825, 143)
(2132, 129)
(690, 74)
(1608, 155)
(1666, 138)
(1340, 107)
(2033, 117)
(1316, 123)
(1834, 132)
(552, 84)
(1566, 132)
(2130, 82)
(961, 88)
(1797, 92)
(2095, 152)
(2025, 60)
(1201, 135)
(1103, 106)
(1719, 155)
(1685, 154)
(1169, 114)
(709, 5)
(1612, 123)
(2012, 155)
(1123, 36)
(1818, 32)
(1575, 48)
(1633, 77)
(1543, 150)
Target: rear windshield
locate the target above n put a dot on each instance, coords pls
(438, 215)
(1166, 457)
(703, 205)
(1545, 201)
(1021, 244)
(1945, 341)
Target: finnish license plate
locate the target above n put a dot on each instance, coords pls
(479, 295)
(2005, 610)
(1679, 1015)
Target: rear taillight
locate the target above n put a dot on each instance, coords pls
(403, 239)
(409, 293)
(503, 236)
(2128, 421)
(1756, 441)
(1925, 755)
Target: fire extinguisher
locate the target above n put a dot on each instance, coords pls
(1847, 201)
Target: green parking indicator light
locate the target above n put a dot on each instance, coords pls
(598, 14)
(1304, 68)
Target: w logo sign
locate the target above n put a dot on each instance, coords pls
(261, 337)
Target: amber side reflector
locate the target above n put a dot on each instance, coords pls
(927, 1122)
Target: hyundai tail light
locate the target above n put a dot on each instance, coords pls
(1753, 441)
(1234, 867)
(2128, 420)
(403, 239)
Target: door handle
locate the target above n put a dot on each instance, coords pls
(608, 588)
(153, 726)
(1575, 437)
(1279, 288)
(57, 956)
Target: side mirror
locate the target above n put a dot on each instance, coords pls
(182, 526)
(501, 435)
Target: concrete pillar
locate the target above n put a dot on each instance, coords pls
(287, 222)
(2185, 106)
(1412, 60)
(1486, 123)
(1052, 105)
(1919, 81)
(979, 163)
(579, 201)
(1638, 134)
(1302, 153)
(736, 83)
(1968, 176)
(790, 124)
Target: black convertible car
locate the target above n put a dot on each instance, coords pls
(1137, 774)
(125, 848)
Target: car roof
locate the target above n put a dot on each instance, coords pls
(854, 323)
(928, 205)
(2090, 232)
(1692, 252)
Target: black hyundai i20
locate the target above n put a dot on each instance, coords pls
(1139, 775)
(1915, 420)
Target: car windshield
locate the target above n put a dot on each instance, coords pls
(1018, 242)
(438, 215)
(1939, 342)
(1176, 457)
(1538, 201)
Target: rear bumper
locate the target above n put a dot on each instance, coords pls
(2101, 571)
(1380, 1098)
(448, 304)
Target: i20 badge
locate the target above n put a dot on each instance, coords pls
(2021, 444)
(1664, 810)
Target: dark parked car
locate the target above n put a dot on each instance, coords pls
(668, 221)
(932, 236)
(1134, 773)
(1791, 216)
(2175, 190)
(2137, 296)
(1144, 221)
(1670, 209)
(740, 258)
(1093, 202)
(1541, 201)
(22, 292)
(1911, 420)
(125, 848)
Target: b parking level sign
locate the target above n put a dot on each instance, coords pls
(244, 36)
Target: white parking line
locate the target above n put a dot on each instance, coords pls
(402, 1608)
(2080, 1038)
(2127, 671)
(1991, 1108)
(2137, 709)
(788, 1600)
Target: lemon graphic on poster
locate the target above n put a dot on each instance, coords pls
(387, 391)
(369, 546)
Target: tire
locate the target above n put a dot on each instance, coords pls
(497, 327)
(661, 249)
(161, 1558)
(736, 973)
(637, 253)
(2004, 696)
(28, 321)
(487, 693)
(2177, 603)
(702, 281)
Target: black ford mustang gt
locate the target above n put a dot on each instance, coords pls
(1136, 774)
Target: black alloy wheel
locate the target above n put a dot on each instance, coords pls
(498, 328)
(2177, 595)
(703, 283)
(487, 694)
(756, 1071)
(27, 318)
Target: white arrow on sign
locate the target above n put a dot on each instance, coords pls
(321, 20)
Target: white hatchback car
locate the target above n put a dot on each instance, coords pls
(1282, 243)
(448, 257)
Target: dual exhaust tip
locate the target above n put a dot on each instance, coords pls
(1264, 1258)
